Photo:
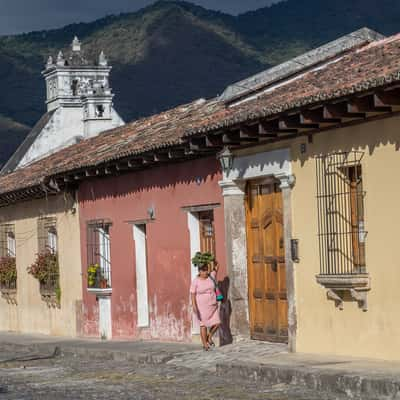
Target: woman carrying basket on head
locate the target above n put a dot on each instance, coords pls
(204, 292)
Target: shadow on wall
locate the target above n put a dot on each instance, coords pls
(366, 136)
(225, 311)
(168, 176)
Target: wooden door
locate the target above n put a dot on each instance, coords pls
(266, 262)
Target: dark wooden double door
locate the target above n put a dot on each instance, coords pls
(266, 262)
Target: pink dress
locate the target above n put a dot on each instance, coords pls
(206, 300)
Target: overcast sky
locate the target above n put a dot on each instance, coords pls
(28, 15)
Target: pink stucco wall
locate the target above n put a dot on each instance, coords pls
(126, 198)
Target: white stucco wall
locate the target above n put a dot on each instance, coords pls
(65, 128)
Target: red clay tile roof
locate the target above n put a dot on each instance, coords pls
(155, 132)
(373, 66)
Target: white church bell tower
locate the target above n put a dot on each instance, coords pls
(79, 104)
(73, 83)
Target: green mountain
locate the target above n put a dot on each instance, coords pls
(173, 52)
(11, 134)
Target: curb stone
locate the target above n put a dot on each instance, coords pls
(54, 350)
(355, 386)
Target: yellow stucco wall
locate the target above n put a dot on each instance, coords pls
(31, 314)
(322, 328)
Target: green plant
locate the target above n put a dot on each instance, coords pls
(8, 271)
(92, 272)
(201, 259)
(45, 268)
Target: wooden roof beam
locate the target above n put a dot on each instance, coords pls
(274, 128)
(135, 163)
(388, 99)
(90, 172)
(68, 178)
(295, 122)
(147, 159)
(265, 131)
(249, 133)
(340, 110)
(231, 138)
(122, 166)
(79, 175)
(109, 169)
(161, 157)
(316, 116)
(174, 154)
(366, 105)
(214, 141)
(188, 151)
(198, 145)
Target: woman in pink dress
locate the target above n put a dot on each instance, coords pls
(205, 305)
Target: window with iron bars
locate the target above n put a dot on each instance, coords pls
(48, 247)
(341, 224)
(8, 268)
(98, 253)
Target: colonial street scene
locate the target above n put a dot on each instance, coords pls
(238, 246)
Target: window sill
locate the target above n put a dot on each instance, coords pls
(100, 292)
(49, 296)
(346, 287)
(10, 295)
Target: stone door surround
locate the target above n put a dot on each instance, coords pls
(276, 164)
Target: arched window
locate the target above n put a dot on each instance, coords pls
(99, 111)
(74, 87)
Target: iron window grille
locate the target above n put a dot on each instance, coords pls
(47, 243)
(47, 234)
(98, 253)
(8, 254)
(7, 240)
(341, 224)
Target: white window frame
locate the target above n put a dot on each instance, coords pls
(11, 245)
(105, 251)
(142, 298)
(52, 239)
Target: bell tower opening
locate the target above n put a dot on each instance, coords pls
(74, 87)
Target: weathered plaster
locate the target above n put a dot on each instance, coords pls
(124, 199)
(236, 255)
(31, 314)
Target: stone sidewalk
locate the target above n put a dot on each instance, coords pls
(250, 360)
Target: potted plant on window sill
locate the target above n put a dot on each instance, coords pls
(8, 279)
(46, 270)
(96, 280)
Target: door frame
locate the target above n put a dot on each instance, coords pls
(270, 181)
(195, 246)
(272, 164)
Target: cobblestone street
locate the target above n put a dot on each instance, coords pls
(26, 375)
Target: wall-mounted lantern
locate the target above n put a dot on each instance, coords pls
(151, 213)
(225, 157)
